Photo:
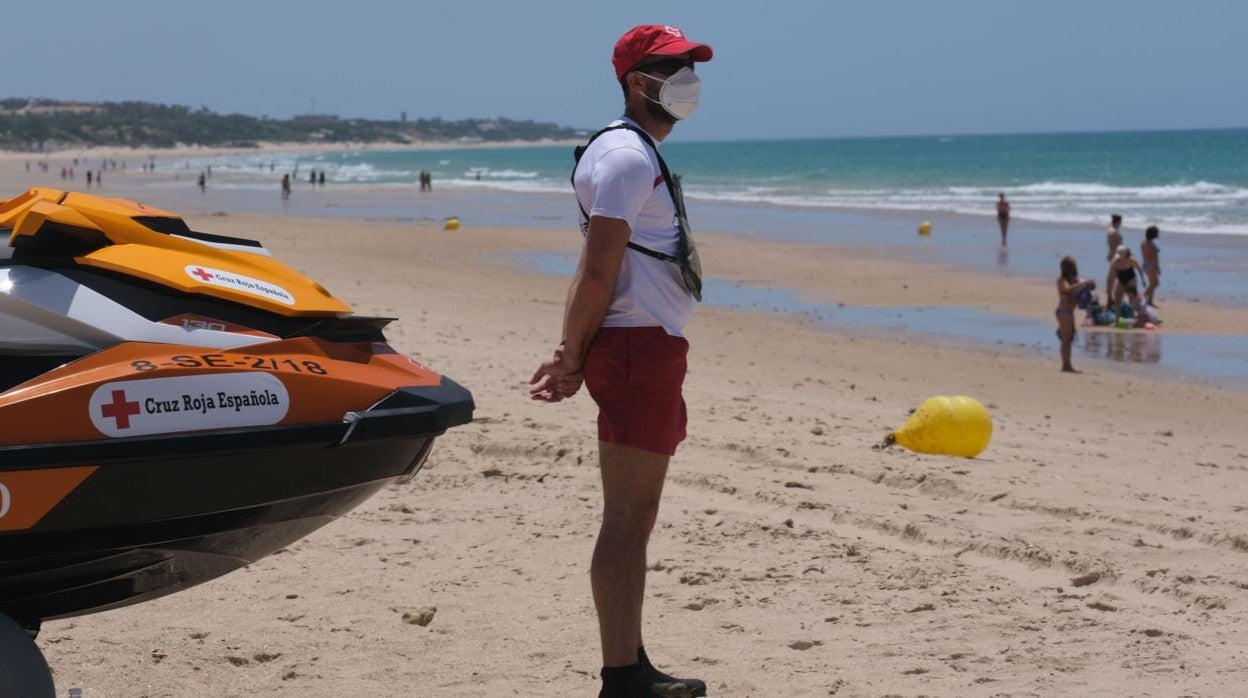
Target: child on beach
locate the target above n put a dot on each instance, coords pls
(1152, 267)
(1068, 287)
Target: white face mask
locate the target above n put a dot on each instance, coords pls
(679, 94)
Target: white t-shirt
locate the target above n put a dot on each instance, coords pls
(619, 177)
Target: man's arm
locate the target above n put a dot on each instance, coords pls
(594, 284)
(589, 296)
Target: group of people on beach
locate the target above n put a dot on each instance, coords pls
(95, 177)
(1122, 266)
(1122, 283)
(315, 178)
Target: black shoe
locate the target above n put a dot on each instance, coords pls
(639, 681)
(654, 691)
(667, 685)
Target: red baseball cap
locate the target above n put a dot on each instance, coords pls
(654, 40)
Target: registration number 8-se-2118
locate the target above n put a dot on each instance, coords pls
(265, 363)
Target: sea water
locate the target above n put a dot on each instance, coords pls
(869, 192)
(1180, 181)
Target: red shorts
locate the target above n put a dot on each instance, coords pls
(635, 375)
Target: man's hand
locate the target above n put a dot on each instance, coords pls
(555, 379)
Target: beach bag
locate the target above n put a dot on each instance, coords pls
(686, 257)
(1086, 296)
(1093, 310)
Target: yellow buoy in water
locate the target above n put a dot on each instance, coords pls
(948, 426)
(451, 223)
(925, 228)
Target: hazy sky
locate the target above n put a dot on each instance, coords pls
(783, 68)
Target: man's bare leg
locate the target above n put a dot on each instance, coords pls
(632, 483)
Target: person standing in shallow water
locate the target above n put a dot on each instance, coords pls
(623, 336)
(1003, 216)
(1150, 253)
(1113, 238)
(1069, 285)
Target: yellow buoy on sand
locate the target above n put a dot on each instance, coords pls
(451, 223)
(925, 228)
(946, 425)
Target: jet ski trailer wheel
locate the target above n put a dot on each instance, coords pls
(23, 670)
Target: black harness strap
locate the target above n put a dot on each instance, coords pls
(667, 179)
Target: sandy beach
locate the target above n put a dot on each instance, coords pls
(1096, 548)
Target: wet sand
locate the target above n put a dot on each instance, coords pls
(1096, 547)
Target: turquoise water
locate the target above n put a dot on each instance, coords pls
(1181, 181)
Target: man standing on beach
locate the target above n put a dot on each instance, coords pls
(622, 331)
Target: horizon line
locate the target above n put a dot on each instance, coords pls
(966, 134)
(979, 134)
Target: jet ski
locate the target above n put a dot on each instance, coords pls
(175, 405)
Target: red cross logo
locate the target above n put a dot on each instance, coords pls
(202, 274)
(120, 410)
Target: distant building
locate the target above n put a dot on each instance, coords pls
(314, 118)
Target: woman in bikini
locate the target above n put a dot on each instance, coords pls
(1123, 269)
(1068, 287)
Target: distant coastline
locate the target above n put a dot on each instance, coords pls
(183, 150)
(45, 126)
